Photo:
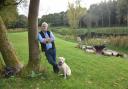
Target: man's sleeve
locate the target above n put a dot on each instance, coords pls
(52, 36)
(42, 40)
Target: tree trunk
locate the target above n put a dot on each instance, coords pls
(8, 53)
(34, 56)
(119, 18)
(127, 18)
(102, 21)
(1, 65)
(109, 19)
(119, 21)
(96, 23)
(1, 68)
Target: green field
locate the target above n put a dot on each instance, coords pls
(89, 71)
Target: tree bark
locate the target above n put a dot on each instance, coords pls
(1, 65)
(7, 51)
(102, 21)
(127, 18)
(34, 56)
(109, 18)
(1, 68)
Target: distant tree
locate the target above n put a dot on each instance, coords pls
(20, 22)
(123, 9)
(94, 15)
(102, 14)
(102, 10)
(109, 7)
(56, 19)
(74, 13)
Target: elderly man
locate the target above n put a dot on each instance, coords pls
(46, 39)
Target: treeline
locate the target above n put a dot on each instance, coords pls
(20, 22)
(113, 13)
(56, 19)
(105, 14)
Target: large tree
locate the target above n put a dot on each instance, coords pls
(6, 49)
(8, 53)
(34, 56)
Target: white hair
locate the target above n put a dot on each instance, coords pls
(44, 23)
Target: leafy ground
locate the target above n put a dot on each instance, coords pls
(89, 71)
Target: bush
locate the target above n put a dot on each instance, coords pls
(119, 41)
(81, 31)
(95, 41)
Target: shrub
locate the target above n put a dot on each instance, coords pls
(120, 41)
(95, 41)
(81, 31)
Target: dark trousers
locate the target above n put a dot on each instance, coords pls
(51, 57)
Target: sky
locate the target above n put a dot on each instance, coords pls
(56, 6)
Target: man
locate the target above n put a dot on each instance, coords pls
(46, 39)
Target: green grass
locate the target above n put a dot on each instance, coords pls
(89, 71)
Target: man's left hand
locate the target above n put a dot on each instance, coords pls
(48, 40)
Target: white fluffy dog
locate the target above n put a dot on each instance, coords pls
(63, 67)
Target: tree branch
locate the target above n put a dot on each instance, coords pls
(9, 4)
(18, 2)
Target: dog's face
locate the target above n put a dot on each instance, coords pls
(61, 60)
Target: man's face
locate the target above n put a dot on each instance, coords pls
(44, 27)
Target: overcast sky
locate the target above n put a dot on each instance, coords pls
(55, 6)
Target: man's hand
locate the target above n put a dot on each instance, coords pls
(48, 40)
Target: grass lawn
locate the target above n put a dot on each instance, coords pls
(89, 71)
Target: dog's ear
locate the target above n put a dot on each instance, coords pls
(63, 58)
